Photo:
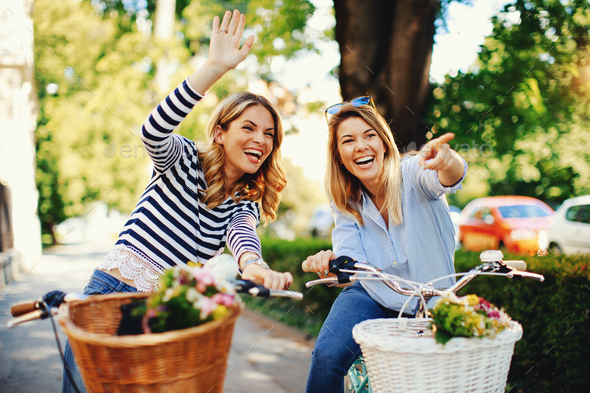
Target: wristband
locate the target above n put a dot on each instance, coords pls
(255, 261)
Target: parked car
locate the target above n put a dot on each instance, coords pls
(570, 232)
(511, 222)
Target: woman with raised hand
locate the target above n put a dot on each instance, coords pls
(389, 211)
(200, 200)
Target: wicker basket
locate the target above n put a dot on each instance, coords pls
(188, 360)
(412, 361)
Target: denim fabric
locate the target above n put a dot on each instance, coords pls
(335, 350)
(100, 283)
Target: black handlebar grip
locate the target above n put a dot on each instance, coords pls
(250, 288)
(342, 262)
(24, 307)
(262, 291)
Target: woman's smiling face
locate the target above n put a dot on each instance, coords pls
(247, 142)
(361, 150)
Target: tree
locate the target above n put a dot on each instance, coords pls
(525, 103)
(75, 119)
(385, 49)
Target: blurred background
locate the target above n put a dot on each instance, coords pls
(511, 79)
(78, 78)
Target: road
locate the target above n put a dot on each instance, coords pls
(265, 356)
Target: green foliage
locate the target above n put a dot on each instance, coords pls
(278, 25)
(99, 100)
(308, 314)
(525, 102)
(551, 356)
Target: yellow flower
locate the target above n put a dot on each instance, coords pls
(472, 300)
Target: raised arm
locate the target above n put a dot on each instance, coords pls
(224, 54)
(224, 51)
(443, 159)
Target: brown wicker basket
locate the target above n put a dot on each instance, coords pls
(188, 360)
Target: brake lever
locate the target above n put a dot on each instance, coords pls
(329, 280)
(518, 274)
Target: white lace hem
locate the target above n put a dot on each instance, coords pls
(133, 266)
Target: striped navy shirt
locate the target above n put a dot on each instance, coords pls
(170, 224)
(420, 249)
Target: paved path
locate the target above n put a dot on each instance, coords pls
(266, 355)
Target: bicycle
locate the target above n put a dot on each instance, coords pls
(357, 379)
(217, 340)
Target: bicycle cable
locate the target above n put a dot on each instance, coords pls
(71, 378)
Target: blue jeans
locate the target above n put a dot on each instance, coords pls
(100, 283)
(335, 350)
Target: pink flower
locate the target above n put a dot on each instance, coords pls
(184, 280)
(224, 299)
(203, 275)
(206, 305)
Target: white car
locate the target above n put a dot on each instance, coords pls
(570, 232)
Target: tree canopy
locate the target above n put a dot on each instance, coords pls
(520, 114)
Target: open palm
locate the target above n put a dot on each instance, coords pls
(224, 49)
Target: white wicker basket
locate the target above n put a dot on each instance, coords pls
(407, 361)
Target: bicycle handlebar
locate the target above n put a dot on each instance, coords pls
(347, 270)
(250, 288)
(37, 309)
(21, 308)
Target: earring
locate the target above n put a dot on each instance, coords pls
(217, 137)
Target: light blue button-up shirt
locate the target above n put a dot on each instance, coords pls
(420, 249)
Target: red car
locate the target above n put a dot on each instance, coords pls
(513, 222)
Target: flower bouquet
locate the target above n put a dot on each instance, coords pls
(190, 295)
(467, 316)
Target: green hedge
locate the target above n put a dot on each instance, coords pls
(552, 356)
(554, 353)
(308, 314)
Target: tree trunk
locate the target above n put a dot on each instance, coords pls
(386, 49)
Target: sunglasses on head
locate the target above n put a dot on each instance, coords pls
(359, 101)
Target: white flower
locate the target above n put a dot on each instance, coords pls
(192, 295)
(223, 267)
(168, 294)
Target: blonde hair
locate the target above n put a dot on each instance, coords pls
(263, 186)
(343, 188)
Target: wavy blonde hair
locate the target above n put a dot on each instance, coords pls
(265, 185)
(343, 188)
